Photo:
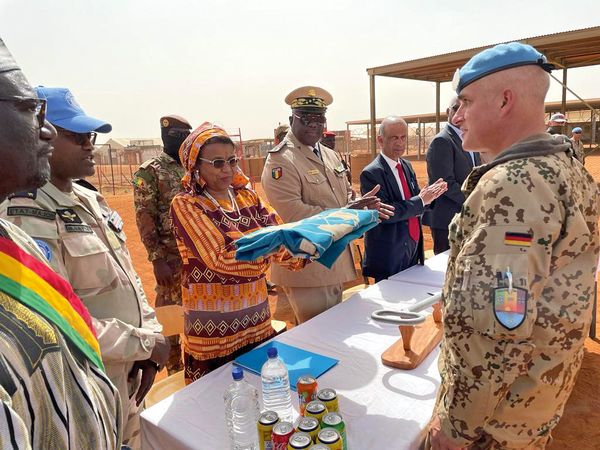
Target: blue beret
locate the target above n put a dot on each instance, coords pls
(577, 130)
(495, 59)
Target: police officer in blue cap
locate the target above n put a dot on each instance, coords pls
(523, 251)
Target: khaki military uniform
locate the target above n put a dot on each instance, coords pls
(82, 240)
(298, 185)
(579, 151)
(155, 184)
(518, 295)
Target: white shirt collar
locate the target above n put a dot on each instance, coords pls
(390, 161)
(458, 130)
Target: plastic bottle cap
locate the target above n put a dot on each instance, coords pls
(237, 373)
(272, 352)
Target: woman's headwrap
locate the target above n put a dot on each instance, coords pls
(190, 149)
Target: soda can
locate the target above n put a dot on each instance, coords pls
(307, 391)
(299, 441)
(318, 447)
(266, 421)
(329, 397)
(315, 409)
(282, 431)
(331, 438)
(309, 425)
(335, 421)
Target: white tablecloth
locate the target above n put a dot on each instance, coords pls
(432, 273)
(382, 407)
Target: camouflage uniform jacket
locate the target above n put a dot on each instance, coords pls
(82, 240)
(155, 184)
(531, 212)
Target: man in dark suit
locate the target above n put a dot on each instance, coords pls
(397, 243)
(446, 159)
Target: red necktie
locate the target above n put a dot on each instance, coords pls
(413, 222)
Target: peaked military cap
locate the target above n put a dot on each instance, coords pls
(309, 98)
(495, 59)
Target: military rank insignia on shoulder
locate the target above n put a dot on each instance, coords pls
(277, 148)
(24, 194)
(277, 173)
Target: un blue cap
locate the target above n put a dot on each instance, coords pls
(577, 130)
(63, 111)
(497, 58)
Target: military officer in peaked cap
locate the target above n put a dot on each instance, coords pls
(155, 184)
(301, 178)
(523, 250)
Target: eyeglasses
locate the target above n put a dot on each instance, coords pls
(178, 133)
(79, 138)
(219, 163)
(35, 105)
(307, 119)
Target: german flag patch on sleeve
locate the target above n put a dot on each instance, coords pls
(518, 239)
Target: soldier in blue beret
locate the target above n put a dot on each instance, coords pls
(523, 252)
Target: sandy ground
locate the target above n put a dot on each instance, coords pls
(579, 428)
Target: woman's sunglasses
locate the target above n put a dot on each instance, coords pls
(219, 163)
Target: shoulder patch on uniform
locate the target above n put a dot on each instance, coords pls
(138, 182)
(67, 215)
(45, 248)
(518, 239)
(510, 306)
(24, 194)
(30, 212)
(277, 173)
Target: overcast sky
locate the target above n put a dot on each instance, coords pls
(233, 61)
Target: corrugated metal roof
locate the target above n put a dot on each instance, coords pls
(576, 48)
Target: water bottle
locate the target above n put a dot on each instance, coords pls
(276, 386)
(241, 412)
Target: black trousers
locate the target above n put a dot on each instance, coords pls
(440, 240)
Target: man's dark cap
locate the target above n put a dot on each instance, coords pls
(173, 121)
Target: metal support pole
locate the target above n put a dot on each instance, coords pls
(564, 92)
(373, 115)
(112, 172)
(437, 107)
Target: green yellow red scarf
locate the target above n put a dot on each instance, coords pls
(36, 285)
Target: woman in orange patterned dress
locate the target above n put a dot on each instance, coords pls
(225, 301)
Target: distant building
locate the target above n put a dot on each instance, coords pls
(128, 150)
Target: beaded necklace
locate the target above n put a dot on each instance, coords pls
(233, 204)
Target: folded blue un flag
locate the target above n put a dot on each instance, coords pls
(322, 237)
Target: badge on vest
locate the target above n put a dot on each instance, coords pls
(73, 223)
(115, 221)
(45, 248)
(30, 212)
(276, 173)
(510, 302)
